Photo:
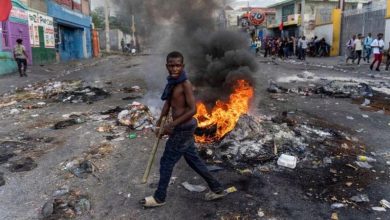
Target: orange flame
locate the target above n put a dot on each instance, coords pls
(224, 115)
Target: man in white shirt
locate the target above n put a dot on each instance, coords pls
(350, 52)
(377, 48)
(302, 45)
(358, 47)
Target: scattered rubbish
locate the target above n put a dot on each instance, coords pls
(83, 205)
(105, 128)
(378, 209)
(214, 168)
(132, 96)
(74, 120)
(343, 89)
(62, 191)
(132, 136)
(385, 203)
(287, 161)
(260, 213)
(83, 169)
(23, 164)
(337, 205)
(245, 172)
(348, 184)
(14, 111)
(366, 102)
(274, 88)
(363, 164)
(83, 94)
(327, 160)
(47, 209)
(388, 163)
(231, 189)
(365, 159)
(360, 198)
(172, 180)
(7, 104)
(365, 116)
(2, 180)
(359, 130)
(350, 118)
(137, 116)
(66, 206)
(194, 188)
(334, 216)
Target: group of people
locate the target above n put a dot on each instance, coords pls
(359, 46)
(290, 46)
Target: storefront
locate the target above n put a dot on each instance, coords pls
(41, 38)
(72, 32)
(16, 27)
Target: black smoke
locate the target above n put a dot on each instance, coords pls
(215, 58)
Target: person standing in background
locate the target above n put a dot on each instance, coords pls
(377, 48)
(367, 48)
(20, 56)
(358, 48)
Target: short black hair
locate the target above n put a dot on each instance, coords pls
(175, 54)
(19, 41)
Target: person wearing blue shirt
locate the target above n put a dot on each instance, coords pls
(367, 48)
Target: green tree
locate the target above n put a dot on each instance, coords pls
(98, 17)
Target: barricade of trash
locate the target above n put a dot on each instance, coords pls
(137, 116)
(66, 204)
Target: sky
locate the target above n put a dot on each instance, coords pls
(234, 3)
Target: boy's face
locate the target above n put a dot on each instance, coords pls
(175, 66)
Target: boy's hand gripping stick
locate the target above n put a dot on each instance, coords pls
(153, 153)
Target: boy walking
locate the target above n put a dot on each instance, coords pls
(377, 48)
(178, 95)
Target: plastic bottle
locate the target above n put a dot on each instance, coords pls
(132, 136)
(365, 159)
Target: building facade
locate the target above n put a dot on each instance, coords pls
(14, 28)
(72, 27)
(301, 17)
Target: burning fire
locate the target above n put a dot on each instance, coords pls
(224, 116)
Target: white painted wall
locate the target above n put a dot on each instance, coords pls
(325, 31)
(387, 34)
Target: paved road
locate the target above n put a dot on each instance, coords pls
(116, 191)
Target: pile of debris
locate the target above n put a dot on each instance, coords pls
(66, 204)
(137, 116)
(62, 91)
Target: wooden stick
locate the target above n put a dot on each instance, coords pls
(153, 153)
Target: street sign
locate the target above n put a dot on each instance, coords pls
(256, 17)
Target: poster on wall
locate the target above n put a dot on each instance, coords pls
(36, 20)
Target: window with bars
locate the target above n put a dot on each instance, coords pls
(286, 11)
(5, 35)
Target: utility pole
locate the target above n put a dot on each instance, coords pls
(106, 15)
(133, 30)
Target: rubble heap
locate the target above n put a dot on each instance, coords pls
(137, 116)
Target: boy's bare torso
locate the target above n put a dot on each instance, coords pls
(178, 100)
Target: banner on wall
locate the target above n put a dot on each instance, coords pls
(36, 20)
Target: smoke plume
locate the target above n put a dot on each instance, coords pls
(215, 58)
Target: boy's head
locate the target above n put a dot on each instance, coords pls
(19, 41)
(175, 64)
(380, 35)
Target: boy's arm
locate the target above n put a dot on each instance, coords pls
(190, 100)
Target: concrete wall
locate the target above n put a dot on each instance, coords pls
(85, 7)
(116, 36)
(39, 5)
(369, 22)
(325, 31)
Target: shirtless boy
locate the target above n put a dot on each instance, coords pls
(178, 96)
